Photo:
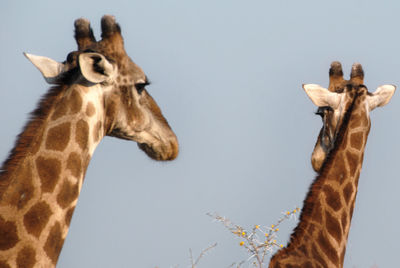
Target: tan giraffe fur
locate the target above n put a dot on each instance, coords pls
(320, 238)
(98, 91)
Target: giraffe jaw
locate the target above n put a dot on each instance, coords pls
(162, 152)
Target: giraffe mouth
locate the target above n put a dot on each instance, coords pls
(163, 152)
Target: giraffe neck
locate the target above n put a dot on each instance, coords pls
(320, 238)
(41, 181)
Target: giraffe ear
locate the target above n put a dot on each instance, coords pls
(321, 96)
(381, 96)
(49, 68)
(95, 67)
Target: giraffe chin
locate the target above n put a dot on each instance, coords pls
(160, 153)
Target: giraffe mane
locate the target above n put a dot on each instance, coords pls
(31, 129)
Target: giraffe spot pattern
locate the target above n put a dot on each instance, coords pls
(332, 198)
(347, 191)
(303, 249)
(317, 256)
(60, 110)
(68, 216)
(24, 191)
(292, 266)
(82, 134)
(97, 131)
(357, 176)
(35, 220)
(317, 211)
(308, 264)
(8, 234)
(327, 248)
(26, 257)
(74, 164)
(311, 227)
(69, 192)
(54, 243)
(352, 160)
(344, 219)
(357, 140)
(58, 137)
(355, 121)
(75, 102)
(333, 226)
(90, 110)
(342, 254)
(49, 172)
(338, 173)
(352, 209)
(4, 265)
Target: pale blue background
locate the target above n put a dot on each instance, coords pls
(227, 75)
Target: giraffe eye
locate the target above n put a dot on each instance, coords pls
(321, 110)
(141, 86)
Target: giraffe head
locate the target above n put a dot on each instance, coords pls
(129, 110)
(336, 103)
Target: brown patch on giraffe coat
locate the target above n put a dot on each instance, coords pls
(342, 254)
(352, 210)
(85, 160)
(49, 172)
(327, 248)
(303, 249)
(3, 264)
(68, 215)
(75, 102)
(292, 266)
(58, 137)
(355, 121)
(54, 243)
(35, 220)
(74, 164)
(97, 131)
(69, 192)
(8, 234)
(344, 139)
(317, 256)
(347, 191)
(357, 140)
(90, 110)
(26, 257)
(332, 197)
(333, 226)
(60, 110)
(344, 219)
(308, 264)
(339, 172)
(353, 161)
(22, 191)
(317, 209)
(82, 134)
(357, 176)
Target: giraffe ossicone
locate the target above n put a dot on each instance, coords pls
(320, 238)
(97, 91)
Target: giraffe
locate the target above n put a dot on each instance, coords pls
(98, 91)
(320, 238)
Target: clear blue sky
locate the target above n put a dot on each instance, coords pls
(228, 76)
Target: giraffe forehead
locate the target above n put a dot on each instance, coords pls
(131, 72)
